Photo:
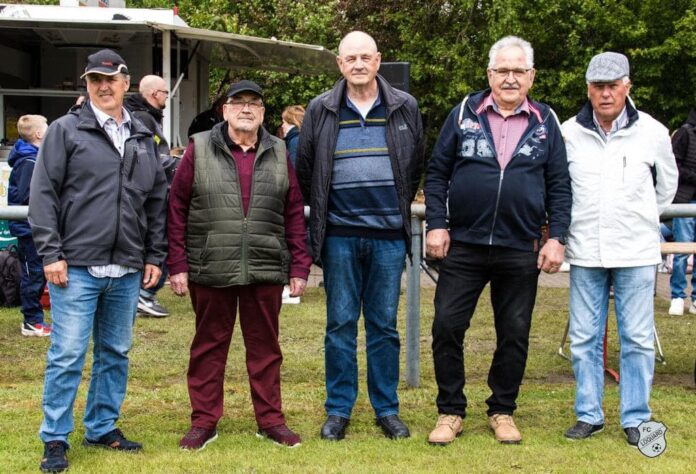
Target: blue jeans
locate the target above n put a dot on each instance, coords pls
(33, 282)
(589, 306)
(104, 308)
(362, 273)
(683, 231)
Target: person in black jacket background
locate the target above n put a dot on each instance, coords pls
(148, 106)
(684, 228)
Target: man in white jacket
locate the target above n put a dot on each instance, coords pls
(623, 175)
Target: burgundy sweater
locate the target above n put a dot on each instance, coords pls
(180, 199)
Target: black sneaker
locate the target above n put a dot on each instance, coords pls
(54, 458)
(114, 439)
(632, 436)
(151, 307)
(583, 430)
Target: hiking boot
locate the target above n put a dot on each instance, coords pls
(151, 307)
(632, 436)
(447, 428)
(197, 438)
(677, 307)
(583, 430)
(36, 330)
(114, 439)
(54, 458)
(280, 435)
(504, 428)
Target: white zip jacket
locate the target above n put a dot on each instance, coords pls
(616, 204)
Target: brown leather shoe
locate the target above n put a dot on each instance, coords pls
(504, 428)
(447, 428)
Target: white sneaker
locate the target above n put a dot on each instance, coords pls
(692, 307)
(677, 307)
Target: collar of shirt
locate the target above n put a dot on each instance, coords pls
(234, 147)
(118, 133)
(489, 103)
(103, 117)
(349, 103)
(619, 122)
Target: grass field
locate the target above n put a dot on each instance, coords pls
(156, 411)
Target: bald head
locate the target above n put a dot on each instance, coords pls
(357, 39)
(154, 90)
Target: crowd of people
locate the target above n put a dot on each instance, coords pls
(228, 229)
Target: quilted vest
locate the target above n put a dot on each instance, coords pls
(225, 247)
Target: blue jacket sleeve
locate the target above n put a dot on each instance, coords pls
(558, 190)
(439, 173)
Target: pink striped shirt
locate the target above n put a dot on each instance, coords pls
(506, 131)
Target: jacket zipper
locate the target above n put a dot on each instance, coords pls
(497, 201)
(118, 211)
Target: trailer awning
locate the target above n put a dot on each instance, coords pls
(113, 27)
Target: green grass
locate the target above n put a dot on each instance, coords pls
(156, 410)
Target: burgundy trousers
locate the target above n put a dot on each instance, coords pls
(216, 309)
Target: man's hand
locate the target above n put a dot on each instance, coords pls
(297, 286)
(57, 273)
(151, 275)
(179, 283)
(551, 256)
(437, 243)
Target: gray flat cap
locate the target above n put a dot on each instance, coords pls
(607, 67)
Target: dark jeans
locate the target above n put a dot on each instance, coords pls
(33, 282)
(464, 273)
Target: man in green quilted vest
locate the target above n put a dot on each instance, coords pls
(236, 224)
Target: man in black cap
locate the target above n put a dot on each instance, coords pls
(237, 232)
(623, 176)
(97, 212)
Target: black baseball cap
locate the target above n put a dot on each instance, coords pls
(105, 62)
(245, 86)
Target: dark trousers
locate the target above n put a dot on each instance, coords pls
(32, 283)
(216, 308)
(464, 273)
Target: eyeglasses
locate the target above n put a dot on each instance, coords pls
(162, 92)
(240, 104)
(505, 72)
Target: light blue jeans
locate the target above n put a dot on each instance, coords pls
(362, 273)
(683, 231)
(104, 308)
(589, 306)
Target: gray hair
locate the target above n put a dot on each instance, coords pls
(508, 42)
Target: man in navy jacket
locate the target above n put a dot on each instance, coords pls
(500, 166)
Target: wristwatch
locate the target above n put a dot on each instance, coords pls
(561, 239)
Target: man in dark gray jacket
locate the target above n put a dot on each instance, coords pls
(359, 164)
(97, 212)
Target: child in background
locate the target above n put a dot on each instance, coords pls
(22, 158)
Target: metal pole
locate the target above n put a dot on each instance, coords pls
(413, 306)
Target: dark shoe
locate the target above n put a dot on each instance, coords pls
(197, 438)
(54, 458)
(632, 436)
(114, 439)
(151, 307)
(583, 430)
(334, 428)
(393, 427)
(281, 435)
